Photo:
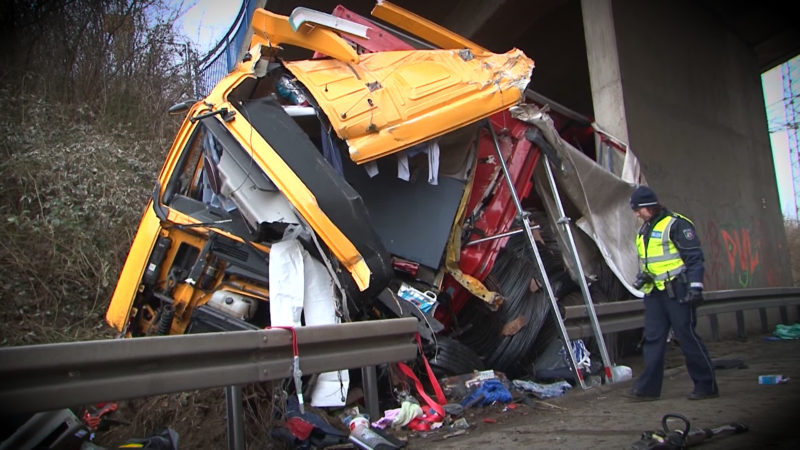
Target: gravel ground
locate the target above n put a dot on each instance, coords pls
(601, 418)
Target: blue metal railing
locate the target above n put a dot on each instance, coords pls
(222, 58)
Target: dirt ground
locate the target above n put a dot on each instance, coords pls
(601, 418)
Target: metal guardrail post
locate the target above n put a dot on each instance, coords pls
(740, 333)
(369, 379)
(762, 315)
(233, 409)
(714, 323)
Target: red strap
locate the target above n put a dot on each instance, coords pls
(437, 389)
(431, 376)
(295, 347)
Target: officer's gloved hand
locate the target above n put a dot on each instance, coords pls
(642, 278)
(693, 297)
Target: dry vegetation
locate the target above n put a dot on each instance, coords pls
(72, 194)
(792, 228)
(84, 89)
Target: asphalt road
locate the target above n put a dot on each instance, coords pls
(601, 418)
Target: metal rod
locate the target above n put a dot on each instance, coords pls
(532, 242)
(233, 407)
(370, 379)
(587, 296)
(496, 236)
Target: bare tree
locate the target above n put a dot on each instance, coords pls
(122, 58)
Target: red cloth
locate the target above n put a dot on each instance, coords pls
(299, 428)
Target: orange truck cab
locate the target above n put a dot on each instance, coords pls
(364, 159)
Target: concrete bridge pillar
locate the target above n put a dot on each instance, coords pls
(685, 92)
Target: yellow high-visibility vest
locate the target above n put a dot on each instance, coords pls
(661, 258)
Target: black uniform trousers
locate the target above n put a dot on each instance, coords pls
(661, 313)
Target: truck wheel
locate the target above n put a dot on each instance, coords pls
(454, 358)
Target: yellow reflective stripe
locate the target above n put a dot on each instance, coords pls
(660, 258)
(670, 273)
(665, 241)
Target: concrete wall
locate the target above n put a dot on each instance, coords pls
(693, 106)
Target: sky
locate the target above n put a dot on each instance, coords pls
(206, 21)
(773, 92)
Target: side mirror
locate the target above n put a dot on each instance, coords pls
(181, 107)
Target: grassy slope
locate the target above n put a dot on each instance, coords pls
(72, 195)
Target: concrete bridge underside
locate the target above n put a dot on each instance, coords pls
(680, 81)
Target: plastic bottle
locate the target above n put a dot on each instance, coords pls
(771, 379)
(288, 90)
(362, 435)
(621, 373)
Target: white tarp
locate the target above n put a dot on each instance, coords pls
(596, 199)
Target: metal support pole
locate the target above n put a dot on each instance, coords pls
(496, 236)
(714, 322)
(528, 231)
(563, 220)
(370, 380)
(762, 315)
(233, 407)
(741, 333)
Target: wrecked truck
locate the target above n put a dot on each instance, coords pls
(362, 182)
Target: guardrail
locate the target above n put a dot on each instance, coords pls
(223, 57)
(51, 376)
(629, 314)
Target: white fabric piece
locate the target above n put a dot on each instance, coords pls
(329, 391)
(371, 168)
(431, 150)
(433, 162)
(632, 170)
(320, 307)
(319, 299)
(402, 166)
(286, 283)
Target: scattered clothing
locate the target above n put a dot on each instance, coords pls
(787, 331)
(543, 391)
(488, 392)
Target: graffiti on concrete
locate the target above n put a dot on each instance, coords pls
(735, 254)
(743, 251)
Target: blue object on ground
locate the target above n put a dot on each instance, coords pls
(556, 389)
(489, 392)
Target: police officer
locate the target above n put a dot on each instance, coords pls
(671, 276)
